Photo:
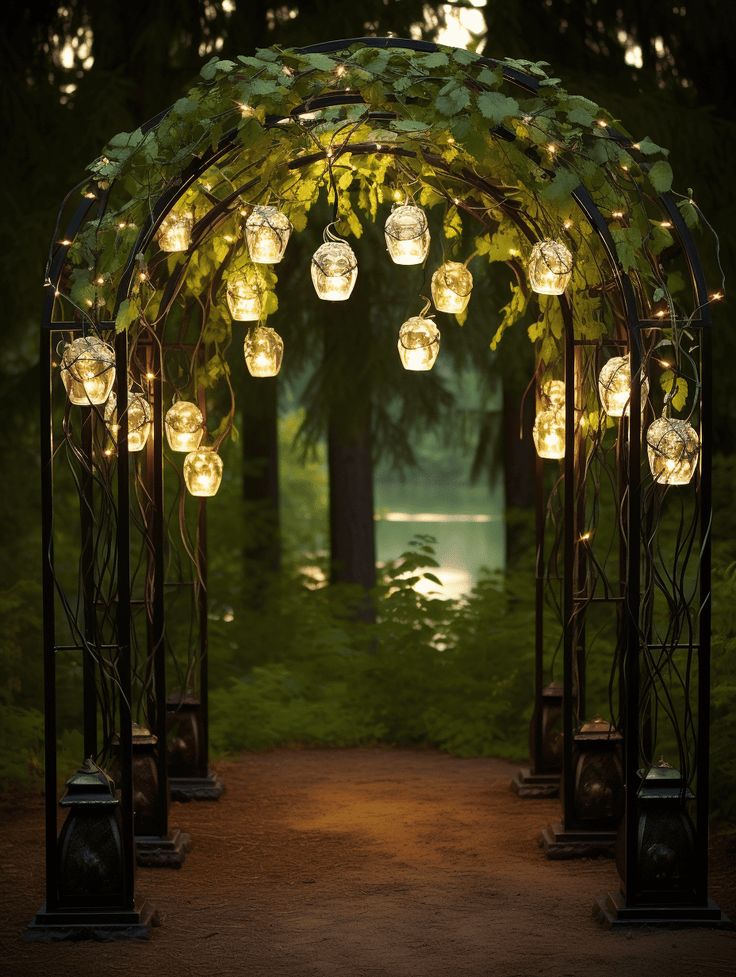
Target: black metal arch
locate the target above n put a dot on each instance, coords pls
(635, 903)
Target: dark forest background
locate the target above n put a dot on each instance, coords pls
(295, 666)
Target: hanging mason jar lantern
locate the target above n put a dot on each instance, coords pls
(91, 862)
(553, 391)
(419, 342)
(452, 284)
(203, 472)
(673, 447)
(243, 299)
(599, 778)
(334, 269)
(614, 386)
(666, 863)
(550, 267)
(184, 426)
(407, 235)
(88, 370)
(175, 231)
(140, 418)
(267, 233)
(264, 350)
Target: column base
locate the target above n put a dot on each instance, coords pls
(155, 851)
(93, 924)
(528, 784)
(612, 912)
(207, 788)
(577, 843)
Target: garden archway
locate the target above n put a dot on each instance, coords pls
(499, 143)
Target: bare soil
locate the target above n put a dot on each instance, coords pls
(363, 863)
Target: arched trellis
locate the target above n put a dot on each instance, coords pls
(638, 521)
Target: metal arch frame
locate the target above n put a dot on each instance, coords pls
(634, 325)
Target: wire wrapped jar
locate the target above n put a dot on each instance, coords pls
(184, 425)
(549, 433)
(550, 267)
(203, 472)
(88, 370)
(140, 418)
(263, 350)
(175, 231)
(334, 269)
(553, 392)
(452, 284)
(407, 235)
(243, 299)
(673, 447)
(419, 343)
(614, 386)
(267, 233)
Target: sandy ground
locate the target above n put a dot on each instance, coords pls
(363, 863)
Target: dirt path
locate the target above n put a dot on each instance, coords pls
(363, 863)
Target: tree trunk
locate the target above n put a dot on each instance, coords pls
(259, 439)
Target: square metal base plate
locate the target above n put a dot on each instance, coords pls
(559, 843)
(528, 784)
(611, 911)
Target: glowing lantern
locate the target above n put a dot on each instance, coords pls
(407, 235)
(88, 370)
(267, 232)
(184, 426)
(673, 447)
(549, 433)
(452, 284)
(243, 299)
(263, 349)
(553, 391)
(175, 232)
(140, 418)
(203, 472)
(419, 343)
(550, 267)
(334, 269)
(614, 386)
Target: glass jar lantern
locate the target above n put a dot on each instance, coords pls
(175, 231)
(549, 433)
(263, 349)
(203, 472)
(184, 425)
(419, 344)
(267, 233)
(673, 447)
(550, 267)
(452, 284)
(599, 779)
(614, 386)
(407, 235)
(243, 299)
(140, 418)
(88, 370)
(334, 269)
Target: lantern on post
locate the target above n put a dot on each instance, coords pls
(189, 774)
(407, 235)
(175, 231)
(263, 349)
(542, 778)
(673, 448)
(599, 778)
(88, 370)
(550, 267)
(419, 342)
(184, 426)
(614, 386)
(267, 233)
(203, 472)
(334, 268)
(452, 284)
(243, 299)
(140, 418)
